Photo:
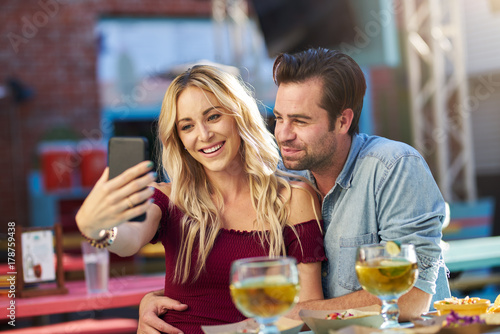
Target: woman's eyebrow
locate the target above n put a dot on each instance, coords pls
(206, 111)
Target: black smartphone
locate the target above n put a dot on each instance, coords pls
(126, 152)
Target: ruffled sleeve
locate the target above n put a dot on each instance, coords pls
(308, 247)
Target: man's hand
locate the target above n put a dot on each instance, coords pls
(294, 312)
(411, 305)
(152, 306)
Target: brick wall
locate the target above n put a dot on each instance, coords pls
(50, 46)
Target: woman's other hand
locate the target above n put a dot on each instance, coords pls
(152, 306)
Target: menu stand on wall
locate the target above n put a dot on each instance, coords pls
(36, 249)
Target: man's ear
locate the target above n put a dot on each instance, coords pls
(344, 121)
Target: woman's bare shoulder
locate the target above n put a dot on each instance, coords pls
(165, 188)
(303, 186)
(304, 202)
(297, 189)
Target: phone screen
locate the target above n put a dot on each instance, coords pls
(126, 152)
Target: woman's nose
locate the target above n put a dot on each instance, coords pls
(205, 133)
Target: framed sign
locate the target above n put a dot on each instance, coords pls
(39, 259)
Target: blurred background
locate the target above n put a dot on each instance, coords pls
(75, 72)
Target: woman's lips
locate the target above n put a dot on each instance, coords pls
(212, 149)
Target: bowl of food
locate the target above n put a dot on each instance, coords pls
(462, 306)
(321, 322)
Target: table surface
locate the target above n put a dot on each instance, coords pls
(123, 291)
(126, 291)
(475, 253)
(491, 332)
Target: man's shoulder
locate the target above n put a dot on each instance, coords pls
(386, 150)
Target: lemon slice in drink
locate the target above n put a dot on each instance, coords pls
(394, 269)
(393, 247)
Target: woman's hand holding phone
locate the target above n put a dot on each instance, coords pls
(115, 201)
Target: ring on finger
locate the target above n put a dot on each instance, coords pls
(130, 204)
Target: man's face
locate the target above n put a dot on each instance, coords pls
(303, 127)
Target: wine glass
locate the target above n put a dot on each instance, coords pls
(387, 271)
(265, 288)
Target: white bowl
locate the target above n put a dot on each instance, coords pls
(364, 316)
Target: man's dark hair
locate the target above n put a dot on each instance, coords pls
(343, 81)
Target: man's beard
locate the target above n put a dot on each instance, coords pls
(299, 164)
(310, 160)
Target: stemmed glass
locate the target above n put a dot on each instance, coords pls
(265, 288)
(387, 271)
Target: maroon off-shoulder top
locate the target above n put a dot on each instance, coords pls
(208, 298)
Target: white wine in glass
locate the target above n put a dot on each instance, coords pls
(265, 288)
(388, 273)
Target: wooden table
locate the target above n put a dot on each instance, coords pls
(475, 253)
(123, 291)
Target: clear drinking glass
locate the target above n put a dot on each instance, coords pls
(96, 262)
(265, 288)
(387, 276)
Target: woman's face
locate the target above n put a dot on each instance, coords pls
(207, 131)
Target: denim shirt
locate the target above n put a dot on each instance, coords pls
(384, 192)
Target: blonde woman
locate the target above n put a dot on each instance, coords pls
(225, 200)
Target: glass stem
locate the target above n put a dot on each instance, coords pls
(268, 329)
(267, 326)
(390, 312)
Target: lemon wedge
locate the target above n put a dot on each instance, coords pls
(393, 247)
(394, 269)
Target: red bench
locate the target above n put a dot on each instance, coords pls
(86, 326)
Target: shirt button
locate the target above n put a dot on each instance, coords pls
(324, 273)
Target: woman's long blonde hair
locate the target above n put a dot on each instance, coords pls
(191, 190)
